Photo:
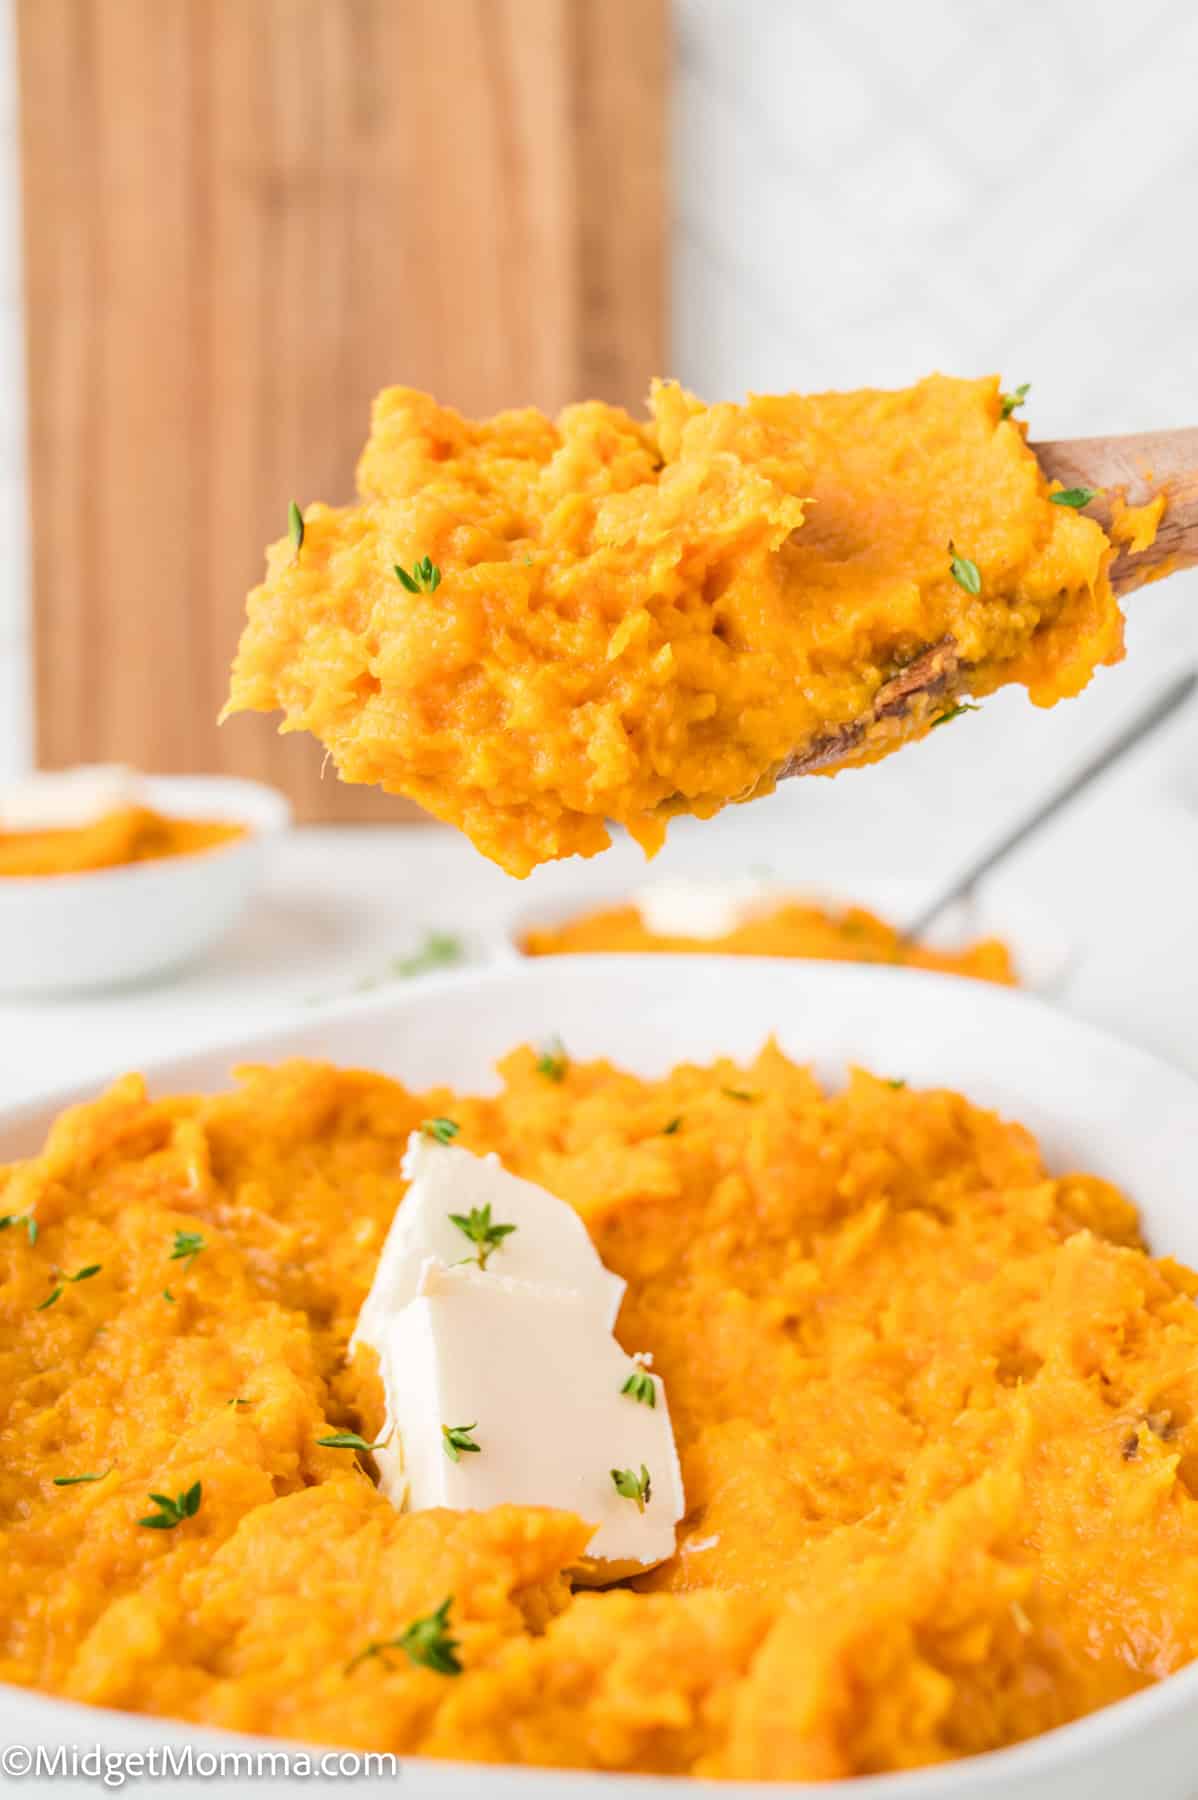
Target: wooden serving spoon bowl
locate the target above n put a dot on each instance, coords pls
(1126, 470)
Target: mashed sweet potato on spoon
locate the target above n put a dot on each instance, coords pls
(535, 627)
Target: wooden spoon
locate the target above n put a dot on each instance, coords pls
(1128, 469)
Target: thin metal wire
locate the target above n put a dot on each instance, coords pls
(1162, 708)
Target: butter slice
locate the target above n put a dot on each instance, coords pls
(68, 799)
(705, 909)
(539, 1377)
(550, 1242)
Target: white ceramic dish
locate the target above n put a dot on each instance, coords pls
(1093, 1102)
(108, 926)
(1042, 952)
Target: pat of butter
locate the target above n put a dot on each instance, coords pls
(704, 909)
(521, 1352)
(550, 1243)
(68, 799)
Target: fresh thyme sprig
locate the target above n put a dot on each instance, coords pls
(553, 1062)
(79, 1275)
(631, 1486)
(953, 712)
(1011, 401)
(349, 1440)
(965, 573)
(640, 1387)
(187, 1247)
(477, 1227)
(173, 1512)
(425, 577)
(457, 1439)
(442, 1131)
(426, 1641)
(440, 950)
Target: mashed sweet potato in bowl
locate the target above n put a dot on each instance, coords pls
(932, 1396)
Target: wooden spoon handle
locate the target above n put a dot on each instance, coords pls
(1134, 470)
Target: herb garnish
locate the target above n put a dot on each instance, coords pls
(674, 1125)
(424, 579)
(1075, 497)
(553, 1062)
(295, 527)
(631, 1486)
(442, 1131)
(188, 1245)
(236, 1402)
(168, 1296)
(639, 1386)
(738, 1093)
(898, 1082)
(173, 1512)
(349, 1440)
(476, 1225)
(440, 950)
(426, 1642)
(953, 712)
(456, 1439)
(79, 1275)
(75, 1480)
(25, 1219)
(1011, 401)
(965, 573)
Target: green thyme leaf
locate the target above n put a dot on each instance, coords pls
(426, 1642)
(738, 1093)
(349, 1440)
(1011, 401)
(172, 1512)
(188, 1245)
(553, 1062)
(476, 1225)
(167, 1295)
(631, 1486)
(953, 712)
(640, 1386)
(965, 573)
(25, 1219)
(442, 1131)
(674, 1125)
(54, 1295)
(424, 579)
(295, 527)
(440, 950)
(898, 1082)
(1075, 497)
(457, 1438)
(236, 1402)
(76, 1480)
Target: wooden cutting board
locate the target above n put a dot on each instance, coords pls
(242, 217)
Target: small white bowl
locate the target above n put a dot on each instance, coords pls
(1041, 952)
(107, 926)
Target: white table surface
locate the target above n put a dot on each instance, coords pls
(1118, 875)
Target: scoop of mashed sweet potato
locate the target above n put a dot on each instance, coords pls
(638, 618)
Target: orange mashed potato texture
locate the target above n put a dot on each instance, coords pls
(935, 1409)
(638, 618)
(793, 929)
(135, 834)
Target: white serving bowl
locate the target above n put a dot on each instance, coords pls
(1093, 1102)
(107, 926)
(1041, 951)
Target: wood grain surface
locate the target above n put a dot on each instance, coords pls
(242, 217)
